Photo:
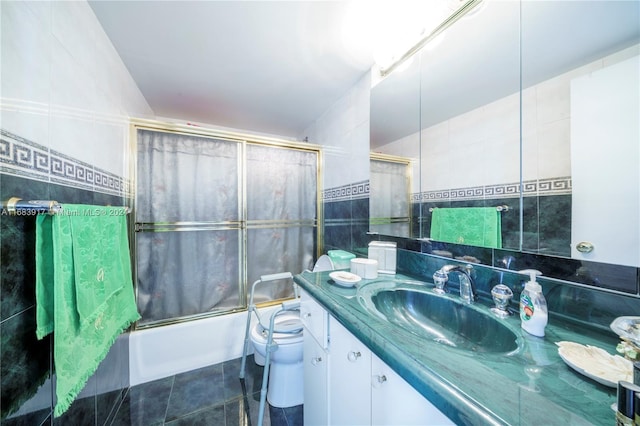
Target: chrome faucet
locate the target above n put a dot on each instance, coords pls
(467, 284)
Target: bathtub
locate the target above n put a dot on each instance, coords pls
(160, 352)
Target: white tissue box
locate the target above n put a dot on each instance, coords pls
(365, 268)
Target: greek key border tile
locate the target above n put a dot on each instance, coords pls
(532, 188)
(350, 191)
(25, 158)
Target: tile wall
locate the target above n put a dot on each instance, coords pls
(66, 98)
(343, 131)
(346, 216)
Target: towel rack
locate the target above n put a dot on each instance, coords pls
(16, 206)
(502, 208)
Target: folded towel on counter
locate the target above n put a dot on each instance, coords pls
(475, 226)
(84, 291)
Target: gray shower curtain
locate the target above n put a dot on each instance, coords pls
(194, 218)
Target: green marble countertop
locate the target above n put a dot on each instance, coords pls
(532, 386)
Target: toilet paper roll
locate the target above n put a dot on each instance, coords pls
(365, 268)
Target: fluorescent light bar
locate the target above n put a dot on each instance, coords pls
(455, 16)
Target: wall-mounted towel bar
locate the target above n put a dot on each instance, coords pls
(16, 206)
(503, 208)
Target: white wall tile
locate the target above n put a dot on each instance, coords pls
(63, 84)
(552, 99)
(508, 111)
(71, 85)
(554, 149)
(467, 128)
(435, 139)
(529, 110)
(25, 54)
(110, 146)
(75, 29)
(530, 154)
(436, 171)
(359, 142)
(31, 124)
(622, 55)
(72, 134)
(344, 132)
(502, 159)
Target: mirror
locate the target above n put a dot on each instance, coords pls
(580, 129)
(395, 135)
(497, 96)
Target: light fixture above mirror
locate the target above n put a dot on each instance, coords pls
(441, 15)
(396, 30)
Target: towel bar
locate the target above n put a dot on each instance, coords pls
(16, 206)
(503, 208)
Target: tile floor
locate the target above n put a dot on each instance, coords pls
(211, 395)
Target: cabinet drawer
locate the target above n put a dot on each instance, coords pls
(314, 318)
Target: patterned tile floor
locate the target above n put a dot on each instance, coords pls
(211, 395)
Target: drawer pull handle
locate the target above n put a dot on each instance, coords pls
(307, 315)
(378, 380)
(353, 356)
(584, 247)
(316, 360)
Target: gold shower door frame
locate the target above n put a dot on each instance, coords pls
(243, 225)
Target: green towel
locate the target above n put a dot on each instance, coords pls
(474, 226)
(84, 291)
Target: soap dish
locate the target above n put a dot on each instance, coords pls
(345, 279)
(596, 363)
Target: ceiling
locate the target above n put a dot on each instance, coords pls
(262, 66)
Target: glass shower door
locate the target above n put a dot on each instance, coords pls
(281, 215)
(212, 216)
(188, 226)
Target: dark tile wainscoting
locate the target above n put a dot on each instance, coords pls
(26, 364)
(346, 216)
(585, 292)
(546, 219)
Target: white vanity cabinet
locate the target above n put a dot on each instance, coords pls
(346, 384)
(396, 402)
(349, 378)
(316, 361)
(316, 383)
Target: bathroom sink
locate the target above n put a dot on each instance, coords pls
(442, 318)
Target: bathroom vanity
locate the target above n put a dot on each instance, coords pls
(347, 384)
(361, 368)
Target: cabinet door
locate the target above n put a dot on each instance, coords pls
(314, 318)
(316, 388)
(349, 378)
(605, 131)
(396, 402)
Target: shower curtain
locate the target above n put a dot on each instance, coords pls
(194, 217)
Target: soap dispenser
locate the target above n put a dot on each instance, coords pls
(533, 306)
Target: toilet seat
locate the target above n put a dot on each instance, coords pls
(324, 263)
(287, 330)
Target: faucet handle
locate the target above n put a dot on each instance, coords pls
(501, 295)
(440, 279)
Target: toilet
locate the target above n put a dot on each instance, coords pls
(285, 387)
